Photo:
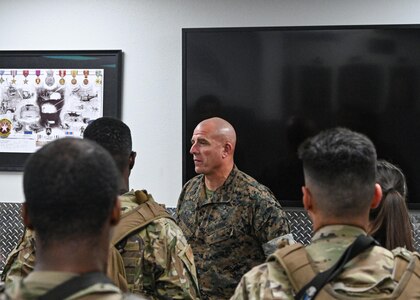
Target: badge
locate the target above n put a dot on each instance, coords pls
(62, 74)
(50, 78)
(5, 128)
(74, 74)
(86, 74)
(98, 77)
(37, 73)
(13, 73)
(25, 74)
(1, 76)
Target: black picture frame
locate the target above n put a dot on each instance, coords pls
(108, 60)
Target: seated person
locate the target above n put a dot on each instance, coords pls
(390, 221)
(340, 189)
(64, 182)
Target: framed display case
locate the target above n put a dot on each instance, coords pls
(46, 95)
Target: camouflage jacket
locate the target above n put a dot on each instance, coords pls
(21, 259)
(368, 275)
(153, 255)
(227, 231)
(39, 282)
(151, 258)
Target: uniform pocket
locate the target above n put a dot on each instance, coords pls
(220, 235)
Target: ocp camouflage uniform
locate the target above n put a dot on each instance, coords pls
(152, 256)
(40, 282)
(369, 275)
(21, 259)
(227, 231)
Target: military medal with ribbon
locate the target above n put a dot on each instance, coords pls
(62, 74)
(25, 74)
(50, 78)
(74, 74)
(37, 79)
(1, 76)
(98, 77)
(13, 73)
(86, 74)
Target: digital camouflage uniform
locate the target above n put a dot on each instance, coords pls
(368, 275)
(39, 282)
(227, 231)
(151, 257)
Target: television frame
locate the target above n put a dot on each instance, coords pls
(185, 31)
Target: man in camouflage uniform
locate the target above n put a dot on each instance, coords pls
(55, 187)
(339, 168)
(227, 216)
(157, 259)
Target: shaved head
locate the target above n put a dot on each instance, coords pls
(221, 129)
(212, 147)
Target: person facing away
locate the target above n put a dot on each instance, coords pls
(156, 259)
(390, 222)
(226, 215)
(340, 189)
(64, 182)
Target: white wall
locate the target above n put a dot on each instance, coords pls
(149, 33)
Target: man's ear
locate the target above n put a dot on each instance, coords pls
(132, 159)
(25, 216)
(116, 212)
(227, 149)
(308, 202)
(307, 199)
(377, 197)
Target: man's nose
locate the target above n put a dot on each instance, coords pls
(193, 149)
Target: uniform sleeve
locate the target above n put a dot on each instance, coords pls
(178, 206)
(269, 219)
(169, 267)
(264, 282)
(240, 292)
(21, 260)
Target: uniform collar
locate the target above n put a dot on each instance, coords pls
(219, 196)
(332, 231)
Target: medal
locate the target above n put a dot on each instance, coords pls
(98, 77)
(25, 74)
(62, 74)
(74, 74)
(50, 78)
(1, 76)
(37, 73)
(86, 74)
(13, 73)
(5, 128)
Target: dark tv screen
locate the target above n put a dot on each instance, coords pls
(278, 86)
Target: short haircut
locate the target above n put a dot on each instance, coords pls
(114, 136)
(342, 165)
(70, 187)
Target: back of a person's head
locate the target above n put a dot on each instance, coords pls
(114, 136)
(341, 164)
(390, 221)
(70, 187)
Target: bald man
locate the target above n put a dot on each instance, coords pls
(227, 216)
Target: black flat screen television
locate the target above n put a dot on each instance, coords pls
(279, 85)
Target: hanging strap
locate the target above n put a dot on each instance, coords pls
(74, 285)
(311, 289)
